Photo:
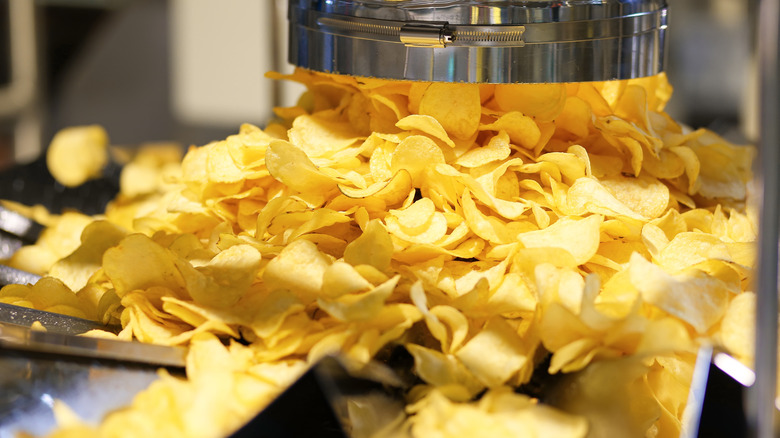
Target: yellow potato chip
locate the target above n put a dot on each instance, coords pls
(291, 166)
(688, 249)
(374, 247)
(588, 194)
(49, 294)
(432, 231)
(541, 101)
(487, 227)
(76, 269)
(645, 196)
(298, 268)
(522, 129)
(443, 370)
(318, 137)
(456, 106)
(415, 154)
(224, 279)
(427, 125)
(137, 263)
(220, 166)
(77, 154)
(495, 353)
(359, 306)
(578, 237)
(497, 149)
(692, 296)
(575, 117)
(341, 278)
(725, 168)
(737, 331)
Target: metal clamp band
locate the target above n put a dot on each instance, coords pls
(616, 43)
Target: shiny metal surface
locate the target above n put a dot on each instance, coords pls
(17, 225)
(31, 383)
(10, 275)
(53, 322)
(762, 400)
(16, 337)
(480, 41)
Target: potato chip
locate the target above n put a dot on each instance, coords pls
(644, 196)
(427, 125)
(456, 106)
(692, 296)
(341, 278)
(374, 247)
(589, 195)
(359, 306)
(75, 269)
(77, 154)
(522, 129)
(688, 249)
(415, 154)
(495, 353)
(737, 333)
(223, 280)
(497, 149)
(137, 263)
(579, 237)
(307, 265)
(291, 166)
(724, 168)
(49, 294)
(443, 370)
(575, 117)
(541, 101)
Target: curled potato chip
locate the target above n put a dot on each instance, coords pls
(443, 370)
(645, 196)
(51, 295)
(224, 279)
(575, 117)
(138, 262)
(342, 278)
(374, 247)
(497, 149)
(425, 124)
(579, 237)
(414, 155)
(359, 306)
(522, 129)
(724, 167)
(692, 296)
(587, 194)
(291, 166)
(507, 353)
(76, 269)
(737, 336)
(299, 268)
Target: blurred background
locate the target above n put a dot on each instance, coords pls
(191, 71)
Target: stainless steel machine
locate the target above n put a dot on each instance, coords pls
(481, 41)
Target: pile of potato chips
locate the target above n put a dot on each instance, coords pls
(487, 229)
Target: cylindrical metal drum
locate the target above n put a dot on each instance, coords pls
(480, 41)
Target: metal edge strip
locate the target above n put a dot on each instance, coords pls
(14, 337)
